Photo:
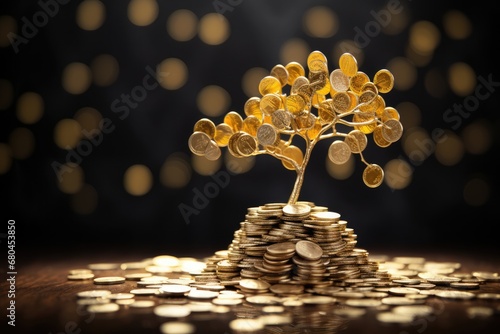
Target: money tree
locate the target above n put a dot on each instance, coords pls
(343, 105)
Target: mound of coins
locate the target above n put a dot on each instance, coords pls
(314, 104)
(294, 245)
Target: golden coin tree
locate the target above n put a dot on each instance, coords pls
(343, 105)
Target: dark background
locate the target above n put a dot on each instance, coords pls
(429, 213)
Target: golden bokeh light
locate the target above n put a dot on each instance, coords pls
(203, 166)
(462, 79)
(85, 200)
(22, 143)
(182, 25)
(30, 107)
(294, 49)
(213, 100)
(90, 15)
(172, 73)
(478, 137)
(250, 80)
(5, 158)
(213, 29)
(456, 24)
(104, 69)
(89, 120)
(397, 22)
(424, 37)
(477, 191)
(405, 73)
(450, 150)
(340, 172)
(410, 114)
(320, 22)
(416, 144)
(76, 78)
(138, 180)
(398, 174)
(176, 171)
(67, 133)
(142, 12)
(72, 181)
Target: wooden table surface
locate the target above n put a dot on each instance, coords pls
(46, 303)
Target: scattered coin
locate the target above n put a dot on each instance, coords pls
(109, 280)
(103, 308)
(93, 293)
(172, 311)
(177, 327)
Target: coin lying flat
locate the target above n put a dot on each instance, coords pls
(103, 308)
(93, 293)
(109, 280)
(172, 311)
(177, 327)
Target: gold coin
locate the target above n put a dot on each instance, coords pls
(299, 82)
(318, 80)
(198, 142)
(341, 102)
(250, 125)
(339, 81)
(357, 141)
(314, 132)
(389, 112)
(373, 175)
(269, 85)
(339, 152)
(281, 119)
(308, 250)
(369, 86)
(295, 70)
(254, 284)
(326, 113)
(384, 80)
(234, 120)
(392, 130)
(348, 64)
(357, 81)
(222, 134)
(316, 56)
(378, 137)
(305, 121)
(270, 103)
(280, 72)
(231, 145)
(212, 152)
(367, 97)
(294, 153)
(267, 135)
(252, 107)
(246, 145)
(205, 125)
(296, 210)
(109, 280)
(295, 104)
(366, 122)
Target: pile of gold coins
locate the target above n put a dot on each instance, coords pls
(298, 244)
(316, 105)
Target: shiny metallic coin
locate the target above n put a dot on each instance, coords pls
(136, 276)
(142, 303)
(80, 277)
(79, 271)
(453, 294)
(125, 302)
(246, 325)
(144, 291)
(390, 317)
(172, 311)
(93, 293)
(120, 295)
(177, 327)
(464, 286)
(109, 280)
(103, 308)
(308, 250)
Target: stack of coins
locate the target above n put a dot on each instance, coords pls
(293, 244)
